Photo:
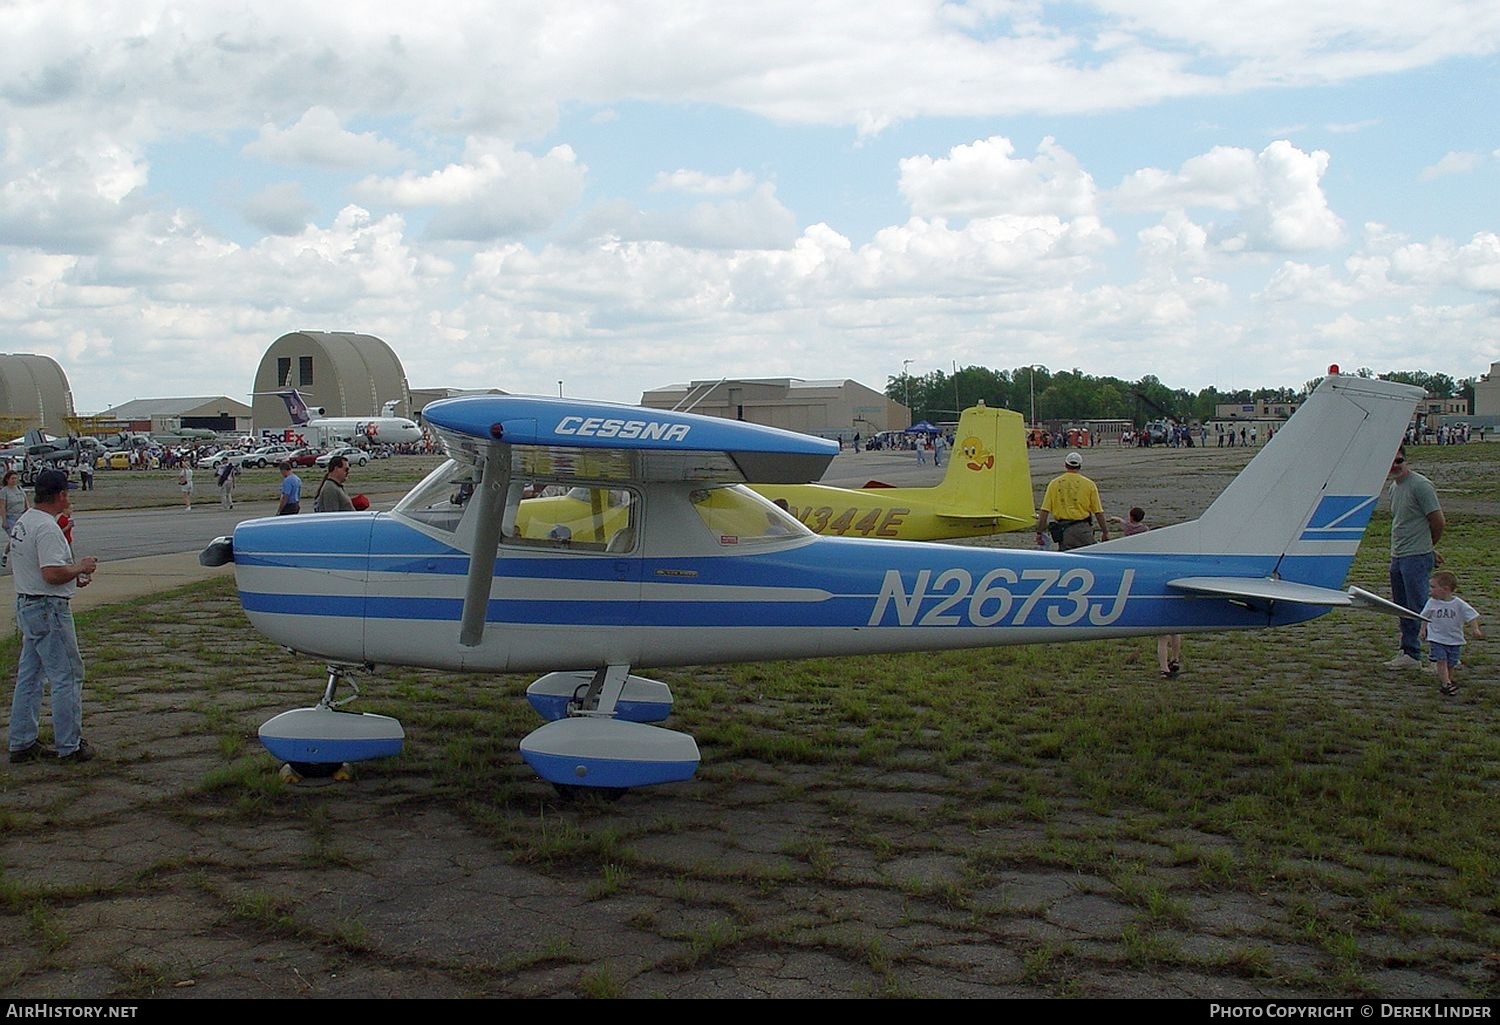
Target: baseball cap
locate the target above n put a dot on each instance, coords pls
(51, 481)
(1074, 460)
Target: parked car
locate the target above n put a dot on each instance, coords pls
(268, 455)
(356, 456)
(303, 456)
(114, 461)
(216, 459)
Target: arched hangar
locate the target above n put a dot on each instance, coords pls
(348, 374)
(34, 392)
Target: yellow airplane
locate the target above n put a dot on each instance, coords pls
(986, 490)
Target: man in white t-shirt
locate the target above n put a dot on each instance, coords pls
(46, 575)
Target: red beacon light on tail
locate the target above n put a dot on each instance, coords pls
(1333, 368)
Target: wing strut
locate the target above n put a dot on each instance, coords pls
(491, 498)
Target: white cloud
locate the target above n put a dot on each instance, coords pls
(701, 184)
(140, 273)
(497, 191)
(1451, 162)
(507, 69)
(279, 209)
(1473, 266)
(1277, 194)
(318, 140)
(983, 179)
(74, 200)
(1176, 242)
(1223, 179)
(759, 221)
(1290, 212)
(1351, 127)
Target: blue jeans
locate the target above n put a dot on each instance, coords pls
(49, 650)
(1411, 578)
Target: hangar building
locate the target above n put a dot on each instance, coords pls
(347, 374)
(33, 392)
(829, 409)
(1487, 393)
(218, 413)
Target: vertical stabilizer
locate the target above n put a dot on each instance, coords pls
(988, 473)
(295, 407)
(1306, 497)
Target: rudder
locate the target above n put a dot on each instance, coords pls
(988, 472)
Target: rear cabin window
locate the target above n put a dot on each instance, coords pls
(577, 518)
(737, 516)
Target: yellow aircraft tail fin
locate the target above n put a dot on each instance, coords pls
(988, 473)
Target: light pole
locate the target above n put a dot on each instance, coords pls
(1031, 381)
(904, 364)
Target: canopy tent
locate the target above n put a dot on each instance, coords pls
(923, 427)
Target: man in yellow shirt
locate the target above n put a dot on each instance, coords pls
(1072, 500)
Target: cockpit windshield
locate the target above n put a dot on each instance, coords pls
(439, 500)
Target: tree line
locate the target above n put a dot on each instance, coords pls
(1074, 395)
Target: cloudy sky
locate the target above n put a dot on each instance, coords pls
(623, 195)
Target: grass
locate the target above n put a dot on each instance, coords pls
(149, 489)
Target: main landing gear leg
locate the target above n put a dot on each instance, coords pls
(295, 772)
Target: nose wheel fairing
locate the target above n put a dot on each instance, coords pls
(327, 734)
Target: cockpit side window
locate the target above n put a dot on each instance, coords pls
(580, 518)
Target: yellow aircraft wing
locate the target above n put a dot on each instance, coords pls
(986, 490)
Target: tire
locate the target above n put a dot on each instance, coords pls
(314, 770)
(570, 793)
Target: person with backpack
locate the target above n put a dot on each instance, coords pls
(228, 471)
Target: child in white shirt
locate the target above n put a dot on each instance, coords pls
(1447, 615)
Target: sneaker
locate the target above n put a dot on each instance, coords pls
(1401, 661)
(1448, 690)
(83, 754)
(30, 753)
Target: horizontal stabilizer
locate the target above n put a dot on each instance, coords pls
(1364, 599)
(1267, 589)
(1262, 589)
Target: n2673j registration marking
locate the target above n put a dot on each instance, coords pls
(1000, 597)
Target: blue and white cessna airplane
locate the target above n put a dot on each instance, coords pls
(460, 575)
